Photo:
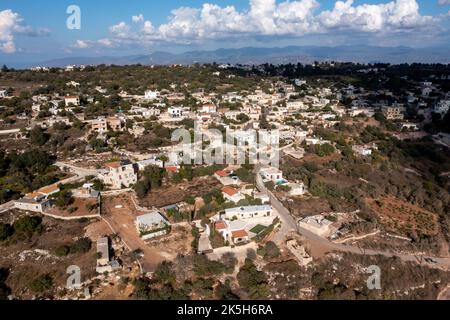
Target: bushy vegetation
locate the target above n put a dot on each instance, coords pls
(25, 172)
(152, 177)
(5, 291)
(23, 228)
(82, 245)
(41, 284)
(253, 281)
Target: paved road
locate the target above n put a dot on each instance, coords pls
(289, 221)
(81, 173)
(10, 131)
(6, 206)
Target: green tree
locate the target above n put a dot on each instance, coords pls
(64, 198)
(42, 284)
(38, 136)
(28, 225)
(6, 230)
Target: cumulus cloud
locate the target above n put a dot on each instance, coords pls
(392, 16)
(269, 18)
(106, 43)
(82, 44)
(120, 30)
(138, 18)
(11, 24)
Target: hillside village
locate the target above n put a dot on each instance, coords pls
(88, 151)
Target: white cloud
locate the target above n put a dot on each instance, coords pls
(9, 22)
(10, 25)
(120, 30)
(82, 44)
(269, 18)
(393, 16)
(106, 43)
(138, 18)
(444, 2)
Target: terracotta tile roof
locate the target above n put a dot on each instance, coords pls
(33, 195)
(221, 173)
(229, 191)
(220, 225)
(172, 169)
(113, 165)
(239, 234)
(49, 189)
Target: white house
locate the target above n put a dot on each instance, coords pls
(245, 137)
(37, 201)
(362, 150)
(231, 194)
(295, 105)
(72, 84)
(271, 174)
(317, 224)
(120, 174)
(175, 112)
(99, 125)
(72, 100)
(152, 225)
(264, 197)
(151, 95)
(209, 108)
(248, 212)
(297, 189)
(232, 115)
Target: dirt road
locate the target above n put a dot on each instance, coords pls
(121, 220)
(291, 225)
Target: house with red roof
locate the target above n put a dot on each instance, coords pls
(231, 194)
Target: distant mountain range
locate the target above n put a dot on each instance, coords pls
(292, 54)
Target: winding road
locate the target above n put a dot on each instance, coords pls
(289, 223)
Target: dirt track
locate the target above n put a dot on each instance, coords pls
(121, 221)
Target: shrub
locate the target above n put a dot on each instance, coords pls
(62, 251)
(6, 230)
(28, 225)
(42, 284)
(269, 251)
(82, 245)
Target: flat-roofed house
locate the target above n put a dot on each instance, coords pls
(271, 174)
(99, 125)
(394, 112)
(72, 100)
(115, 124)
(104, 261)
(103, 251)
(120, 174)
(317, 224)
(248, 212)
(38, 201)
(152, 95)
(152, 224)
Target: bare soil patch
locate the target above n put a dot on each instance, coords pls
(171, 194)
(404, 218)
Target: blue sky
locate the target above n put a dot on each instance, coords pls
(35, 30)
